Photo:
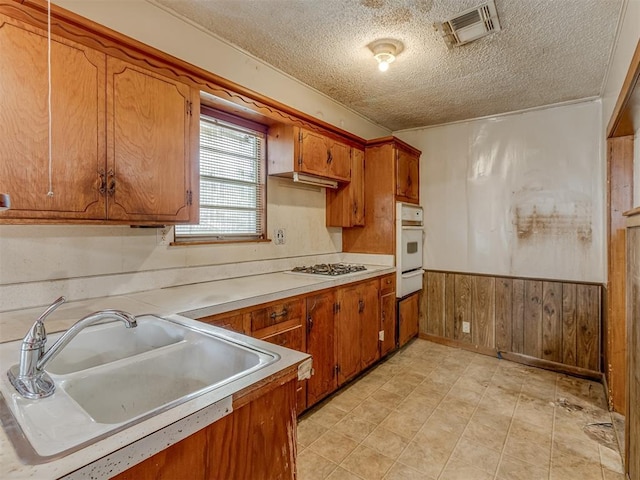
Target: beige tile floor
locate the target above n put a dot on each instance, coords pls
(435, 412)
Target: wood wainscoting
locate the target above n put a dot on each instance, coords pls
(545, 323)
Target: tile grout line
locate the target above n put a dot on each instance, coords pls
(428, 418)
(469, 420)
(504, 445)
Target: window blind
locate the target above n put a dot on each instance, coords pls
(232, 183)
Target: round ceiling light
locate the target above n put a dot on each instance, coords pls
(385, 52)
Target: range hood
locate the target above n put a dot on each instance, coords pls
(313, 180)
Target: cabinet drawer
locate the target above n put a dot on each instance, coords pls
(292, 338)
(234, 322)
(388, 284)
(276, 315)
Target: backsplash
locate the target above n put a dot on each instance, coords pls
(39, 293)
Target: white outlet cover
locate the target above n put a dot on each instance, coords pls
(466, 327)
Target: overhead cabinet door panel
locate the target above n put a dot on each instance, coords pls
(148, 162)
(78, 125)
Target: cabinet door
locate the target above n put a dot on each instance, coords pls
(321, 345)
(408, 318)
(339, 163)
(345, 205)
(348, 333)
(149, 164)
(388, 322)
(78, 125)
(369, 313)
(407, 177)
(322, 156)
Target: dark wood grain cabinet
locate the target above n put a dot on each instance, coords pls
(408, 318)
(345, 205)
(124, 139)
(321, 345)
(357, 323)
(296, 149)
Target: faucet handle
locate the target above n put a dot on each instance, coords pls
(51, 308)
(37, 334)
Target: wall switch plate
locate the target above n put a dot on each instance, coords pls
(163, 236)
(466, 327)
(280, 236)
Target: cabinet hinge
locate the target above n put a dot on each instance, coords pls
(189, 197)
(337, 369)
(189, 107)
(336, 308)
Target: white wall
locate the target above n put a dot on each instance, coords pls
(32, 254)
(519, 194)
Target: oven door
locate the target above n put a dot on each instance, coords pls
(409, 282)
(411, 248)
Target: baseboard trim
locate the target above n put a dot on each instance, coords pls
(518, 358)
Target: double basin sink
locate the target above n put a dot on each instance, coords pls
(109, 378)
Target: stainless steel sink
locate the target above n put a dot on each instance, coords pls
(110, 378)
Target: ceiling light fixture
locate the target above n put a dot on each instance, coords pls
(385, 52)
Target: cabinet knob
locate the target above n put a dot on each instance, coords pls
(112, 183)
(329, 156)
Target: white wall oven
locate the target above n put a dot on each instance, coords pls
(409, 243)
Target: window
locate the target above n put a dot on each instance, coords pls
(232, 180)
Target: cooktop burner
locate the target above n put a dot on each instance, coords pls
(330, 269)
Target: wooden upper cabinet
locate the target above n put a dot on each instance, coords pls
(78, 126)
(391, 173)
(149, 169)
(407, 176)
(295, 149)
(124, 139)
(345, 206)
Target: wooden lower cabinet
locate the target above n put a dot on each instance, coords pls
(339, 327)
(321, 345)
(408, 318)
(254, 442)
(357, 323)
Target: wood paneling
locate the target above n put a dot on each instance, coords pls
(552, 321)
(569, 343)
(462, 307)
(556, 322)
(435, 305)
(620, 199)
(517, 309)
(588, 326)
(483, 318)
(533, 318)
(504, 304)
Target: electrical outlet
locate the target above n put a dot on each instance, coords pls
(280, 236)
(466, 327)
(162, 236)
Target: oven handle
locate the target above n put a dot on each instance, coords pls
(412, 273)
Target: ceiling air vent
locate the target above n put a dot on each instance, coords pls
(469, 25)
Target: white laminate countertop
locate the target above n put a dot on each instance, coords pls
(193, 301)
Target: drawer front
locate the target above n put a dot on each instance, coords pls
(388, 284)
(234, 322)
(275, 314)
(292, 338)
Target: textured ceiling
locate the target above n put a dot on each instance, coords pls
(548, 51)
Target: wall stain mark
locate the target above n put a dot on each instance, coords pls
(534, 221)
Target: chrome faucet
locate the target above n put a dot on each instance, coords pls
(28, 377)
